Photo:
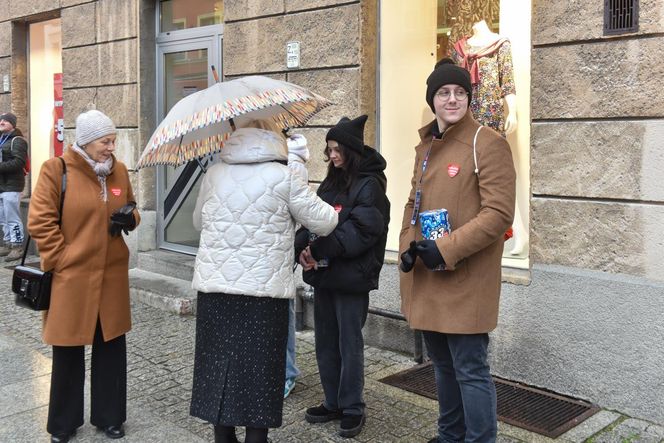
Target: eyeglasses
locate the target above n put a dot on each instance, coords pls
(459, 94)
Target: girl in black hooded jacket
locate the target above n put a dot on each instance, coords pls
(343, 267)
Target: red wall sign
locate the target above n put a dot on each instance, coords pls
(58, 115)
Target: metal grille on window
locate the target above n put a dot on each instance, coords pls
(621, 16)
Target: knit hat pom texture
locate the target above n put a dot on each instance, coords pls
(92, 125)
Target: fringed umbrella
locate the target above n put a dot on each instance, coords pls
(199, 124)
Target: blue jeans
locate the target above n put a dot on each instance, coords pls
(10, 217)
(291, 368)
(466, 393)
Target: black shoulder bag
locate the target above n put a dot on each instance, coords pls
(32, 286)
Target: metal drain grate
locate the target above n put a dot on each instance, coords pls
(529, 408)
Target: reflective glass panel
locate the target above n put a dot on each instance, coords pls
(184, 73)
(175, 15)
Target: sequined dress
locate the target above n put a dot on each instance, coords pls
(240, 364)
(496, 80)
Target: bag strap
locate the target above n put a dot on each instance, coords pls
(477, 170)
(63, 188)
(11, 144)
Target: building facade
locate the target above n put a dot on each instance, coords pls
(588, 256)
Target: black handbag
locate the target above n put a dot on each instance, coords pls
(32, 286)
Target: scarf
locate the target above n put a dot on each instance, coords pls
(469, 60)
(100, 169)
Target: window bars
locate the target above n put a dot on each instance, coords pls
(621, 16)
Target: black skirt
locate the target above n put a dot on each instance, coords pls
(240, 360)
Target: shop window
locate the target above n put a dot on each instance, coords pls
(45, 89)
(621, 16)
(456, 19)
(492, 36)
(175, 15)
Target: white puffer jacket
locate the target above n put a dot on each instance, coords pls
(247, 209)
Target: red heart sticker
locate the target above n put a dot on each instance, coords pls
(116, 191)
(453, 169)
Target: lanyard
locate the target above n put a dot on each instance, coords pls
(4, 138)
(418, 191)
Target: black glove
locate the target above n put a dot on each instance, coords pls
(123, 220)
(429, 253)
(408, 257)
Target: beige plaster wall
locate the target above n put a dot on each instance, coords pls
(337, 57)
(598, 126)
(572, 21)
(328, 38)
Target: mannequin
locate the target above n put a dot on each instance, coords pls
(488, 57)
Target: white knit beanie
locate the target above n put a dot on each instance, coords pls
(92, 125)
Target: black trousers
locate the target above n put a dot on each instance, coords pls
(338, 322)
(108, 390)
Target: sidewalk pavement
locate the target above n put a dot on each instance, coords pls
(160, 362)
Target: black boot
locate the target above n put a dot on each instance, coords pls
(62, 438)
(225, 434)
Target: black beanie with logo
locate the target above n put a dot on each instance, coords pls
(349, 133)
(447, 73)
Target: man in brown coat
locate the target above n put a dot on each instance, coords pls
(452, 292)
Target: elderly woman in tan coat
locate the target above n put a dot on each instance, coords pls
(90, 289)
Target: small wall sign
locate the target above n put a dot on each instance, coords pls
(293, 55)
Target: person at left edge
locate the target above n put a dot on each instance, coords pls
(247, 208)
(13, 157)
(90, 287)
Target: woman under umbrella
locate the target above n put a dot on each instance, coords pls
(247, 209)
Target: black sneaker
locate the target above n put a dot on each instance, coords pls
(320, 414)
(351, 425)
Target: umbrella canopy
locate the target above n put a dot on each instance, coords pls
(198, 124)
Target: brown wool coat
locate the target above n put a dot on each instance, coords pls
(464, 298)
(90, 268)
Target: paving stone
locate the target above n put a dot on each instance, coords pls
(160, 363)
(631, 431)
(591, 426)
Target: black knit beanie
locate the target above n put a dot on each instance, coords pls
(9, 117)
(349, 133)
(447, 73)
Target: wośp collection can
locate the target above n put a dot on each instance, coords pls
(435, 224)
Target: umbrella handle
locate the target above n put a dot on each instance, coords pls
(202, 166)
(232, 123)
(214, 74)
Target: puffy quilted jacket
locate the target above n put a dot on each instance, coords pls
(247, 209)
(356, 248)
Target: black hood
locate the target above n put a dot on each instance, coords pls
(373, 164)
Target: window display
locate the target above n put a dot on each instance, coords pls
(469, 35)
(493, 37)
